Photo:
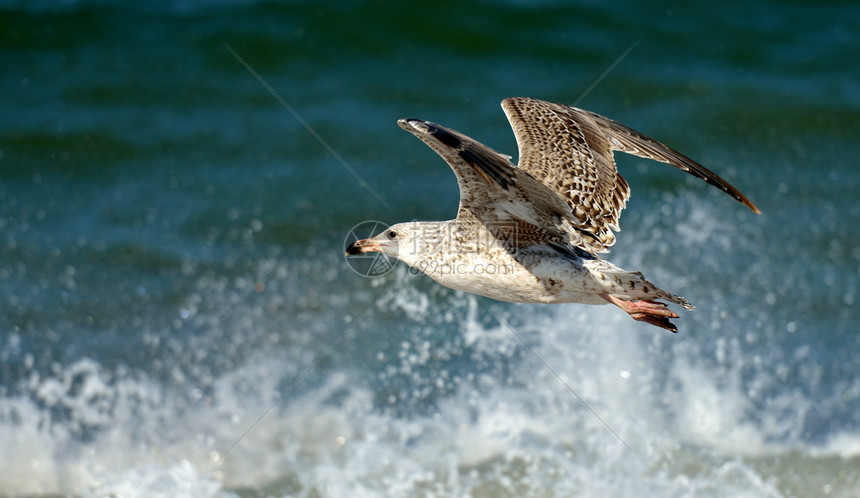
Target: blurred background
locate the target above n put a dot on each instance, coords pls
(171, 253)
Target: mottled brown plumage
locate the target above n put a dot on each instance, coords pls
(570, 150)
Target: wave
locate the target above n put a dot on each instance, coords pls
(429, 395)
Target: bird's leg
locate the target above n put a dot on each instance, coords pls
(645, 311)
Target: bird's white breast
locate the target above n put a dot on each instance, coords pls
(533, 275)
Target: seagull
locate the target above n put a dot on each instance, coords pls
(532, 232)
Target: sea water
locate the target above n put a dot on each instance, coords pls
(177, 317)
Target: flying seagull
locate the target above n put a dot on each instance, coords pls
(531, 233)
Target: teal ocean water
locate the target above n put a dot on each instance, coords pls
(177, 317)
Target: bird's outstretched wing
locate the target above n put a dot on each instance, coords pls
(493, 191)
(570, 150)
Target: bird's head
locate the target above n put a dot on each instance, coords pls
(400, 241)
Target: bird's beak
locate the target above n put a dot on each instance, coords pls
(363, 246)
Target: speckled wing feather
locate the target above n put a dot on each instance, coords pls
(572, 158)
(493, 191)
(571, 151)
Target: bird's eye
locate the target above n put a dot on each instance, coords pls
(392, 234)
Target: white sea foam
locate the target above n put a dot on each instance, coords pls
(491, 436)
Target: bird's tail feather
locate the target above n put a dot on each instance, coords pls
(633, 285)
